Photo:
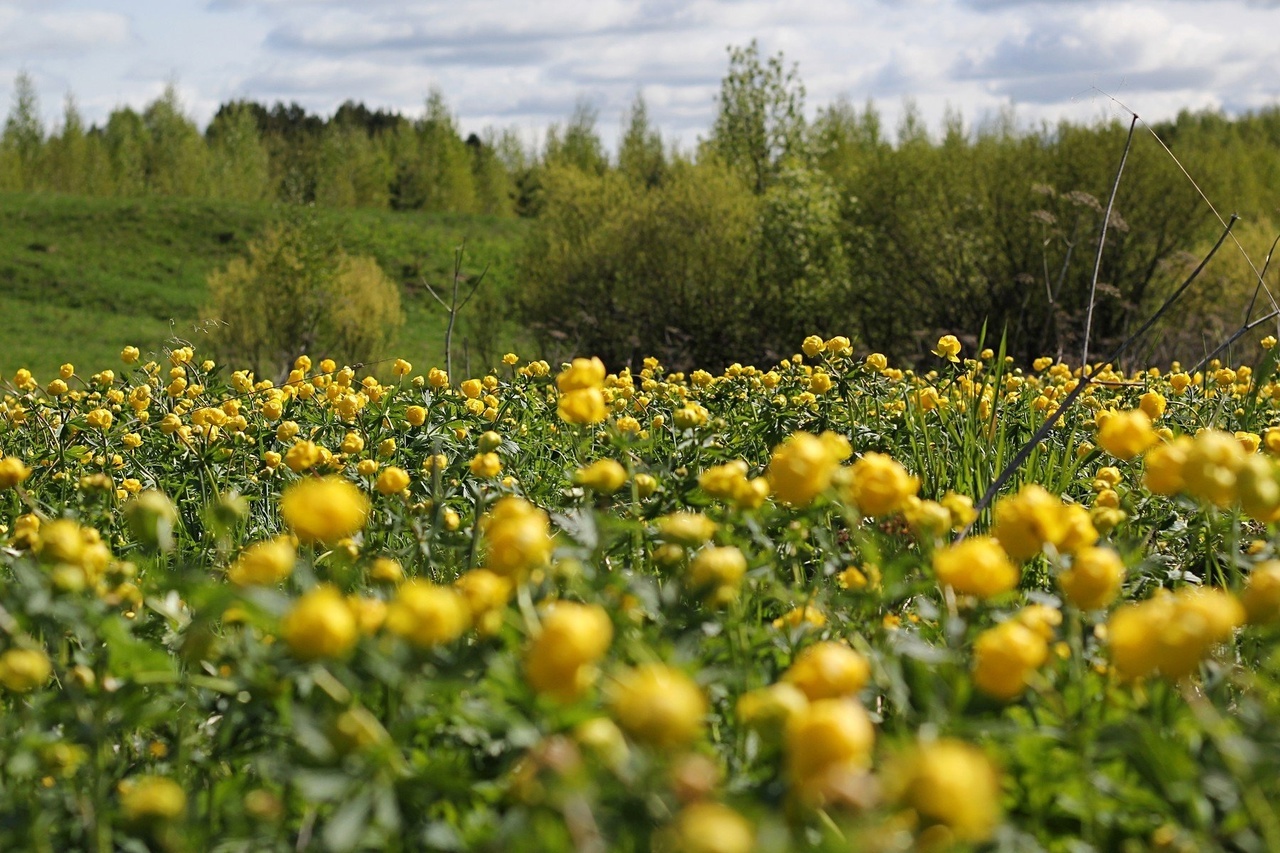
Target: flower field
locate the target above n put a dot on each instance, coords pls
(555, 608)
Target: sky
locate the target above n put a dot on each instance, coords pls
(520, 64)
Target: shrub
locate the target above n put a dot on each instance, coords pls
(299, 292)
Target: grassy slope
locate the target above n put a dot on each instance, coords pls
(82, 277)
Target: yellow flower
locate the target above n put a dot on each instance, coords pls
(1004, 657)
(486, 465)
(1171, 634)
(812, 345)
(604, 476)
(152, 798)
(949, 783)
(518, 537)
(1163, 464)
(1153, 404)
(1094, 578)
(23, 670)
(401, 367)
(1027, 521)
(948, 347)
(486, 594)
(130, 355)
(263, 563)
(657, 705)
(324, 509)
(12, 472)
(877, 361)
(798, 616)
(416, 415)
(977, 566)
(560, 661)
(1125, 434)
(723, 481)
(686, 528)
(581, 374)
(302, 456)
(828, 670)
(1258, 488)
(961, 509)
(320, 625)
(584, 406)
(386, 570)
(824, 738)
(1209, 470)
(427, 615)
(707, 827)
(878, 485)
(1261, 596)
(767, 709)
(801, 469)
(393, 480)
(99, 419)
(717, 572)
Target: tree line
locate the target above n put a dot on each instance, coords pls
(778, 224)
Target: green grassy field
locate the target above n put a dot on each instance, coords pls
(82, 277)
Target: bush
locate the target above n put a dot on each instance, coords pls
(299, 292)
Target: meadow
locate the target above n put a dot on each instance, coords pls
(553, 607)
(84, 277)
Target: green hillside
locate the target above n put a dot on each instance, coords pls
(82, 277)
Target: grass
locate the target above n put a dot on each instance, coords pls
(82, 277)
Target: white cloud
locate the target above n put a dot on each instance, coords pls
(512, 63)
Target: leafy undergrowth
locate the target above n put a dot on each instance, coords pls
(549, 608)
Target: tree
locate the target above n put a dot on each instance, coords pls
(640, 155)
(760, 121)
(577, 145)
(176, 157)
(21, 146)
(68, 153)
(299, 293)
(239, 166)
(125, 139)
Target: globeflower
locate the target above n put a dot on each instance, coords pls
(604, 476)
(948, 347)
(581, 387)
(977, 566)
(560, 661)
(948, 783)
(263, 563)
(828, 670)
(1029, 520)
(518, 537)
(1093, 579)
(878, 485)
(1005, 656)
(801, 469)
(657, 705)
(23, 670)
(1125, 434)
(320, 625)
(151, 798)
(717, 572)
(324, 509)
(825, 739)
(393, 480)
(1171, 633)
(426, 614)
(1209, 470)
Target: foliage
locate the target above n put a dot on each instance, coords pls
(740, 629)
(299, 292)
(84, 276)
